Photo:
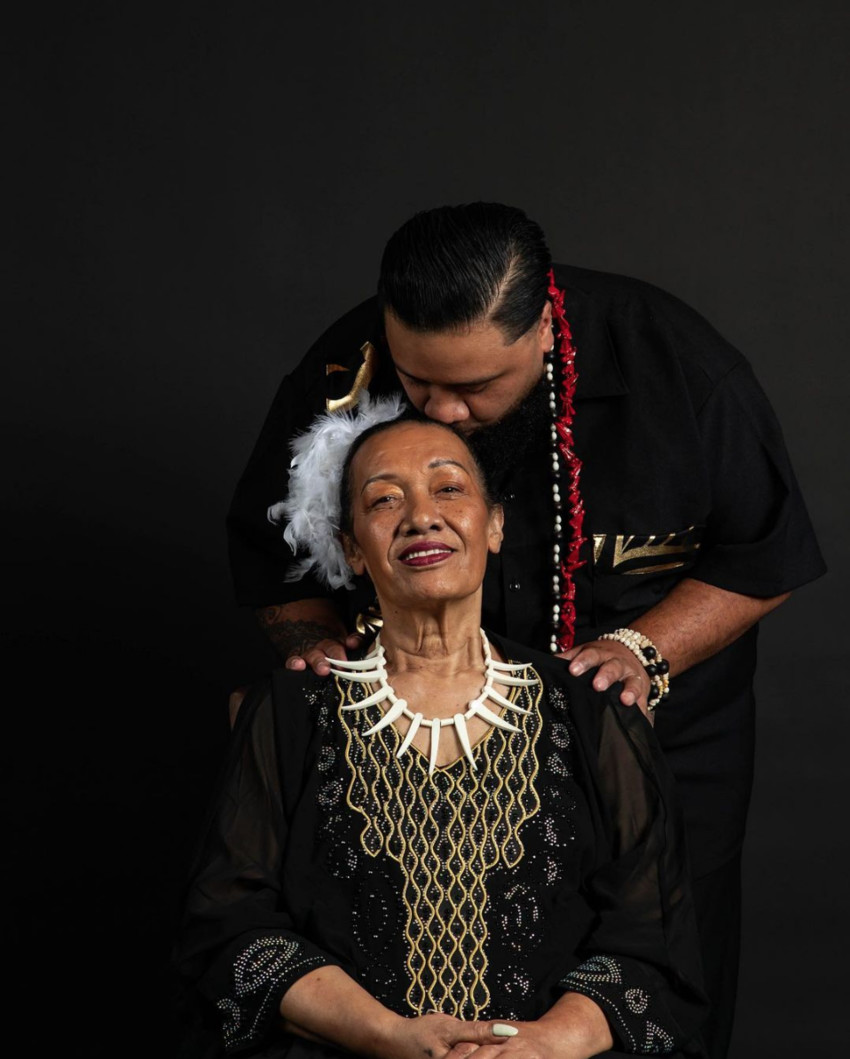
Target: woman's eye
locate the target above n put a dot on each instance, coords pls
(450, 489)
(378, 501)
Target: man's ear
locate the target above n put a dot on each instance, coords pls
(545, 334)
(352, 554)
(495, 535)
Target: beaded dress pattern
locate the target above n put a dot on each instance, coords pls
(446, 828)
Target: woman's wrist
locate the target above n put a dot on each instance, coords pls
(330, 1004)
(381, 1034)
(579, 1025)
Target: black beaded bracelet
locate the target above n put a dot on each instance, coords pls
(657, 668)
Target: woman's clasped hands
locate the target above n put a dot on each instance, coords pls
(574, 1028)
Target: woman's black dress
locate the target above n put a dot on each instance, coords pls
(556, 864)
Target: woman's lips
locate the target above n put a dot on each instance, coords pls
(425, 554)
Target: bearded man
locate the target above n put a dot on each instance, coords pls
(647, 492)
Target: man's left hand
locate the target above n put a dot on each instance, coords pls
(616, 663)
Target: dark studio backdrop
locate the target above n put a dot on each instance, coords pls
(203, 189)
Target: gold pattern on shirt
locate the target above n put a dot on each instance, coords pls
(656, 547)
(446, 831)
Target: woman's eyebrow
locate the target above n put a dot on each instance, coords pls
(389, 477)
(443, 463)
(379, 478)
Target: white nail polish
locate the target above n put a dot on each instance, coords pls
(501, 1029)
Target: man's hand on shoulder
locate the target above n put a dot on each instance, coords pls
(692, 623)
(616, 663)
(306, 632)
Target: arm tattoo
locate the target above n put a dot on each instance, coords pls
(293, 637)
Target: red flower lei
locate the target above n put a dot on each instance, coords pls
(566, 624)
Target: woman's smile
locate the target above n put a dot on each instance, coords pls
(425, 553)
(420, 506)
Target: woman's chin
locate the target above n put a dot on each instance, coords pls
(427, 590)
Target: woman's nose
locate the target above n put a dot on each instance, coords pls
(421, 515)
(445, 406)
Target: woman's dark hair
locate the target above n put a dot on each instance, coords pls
(410, 416)
(456, 265)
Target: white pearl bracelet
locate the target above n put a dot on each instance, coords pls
(657, 669)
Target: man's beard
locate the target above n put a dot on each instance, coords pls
(500, 445)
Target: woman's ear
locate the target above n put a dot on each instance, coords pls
(495, 534)
(352, 554)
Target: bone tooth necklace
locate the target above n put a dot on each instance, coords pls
(373, 670)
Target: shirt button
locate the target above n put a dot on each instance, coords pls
(515, 586)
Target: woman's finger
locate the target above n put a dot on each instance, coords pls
(462, 1050)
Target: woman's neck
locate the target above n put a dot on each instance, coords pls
(447, 640)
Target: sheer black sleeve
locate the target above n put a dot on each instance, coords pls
(641, 958)
(237, 943)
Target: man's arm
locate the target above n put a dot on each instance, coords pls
(692, 623)
(304, 633)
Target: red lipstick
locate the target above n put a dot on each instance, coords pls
(425, 553)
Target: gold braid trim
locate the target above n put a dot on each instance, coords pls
(446, 831)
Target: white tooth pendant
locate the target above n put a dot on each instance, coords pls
(411, 732)
(463, 737)
(393, 713)
(435, 746)
(378, 696)
(372, 670)
(480, 710)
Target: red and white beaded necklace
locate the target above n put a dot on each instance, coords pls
(566, 470)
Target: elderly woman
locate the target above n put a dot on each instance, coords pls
(450, 844)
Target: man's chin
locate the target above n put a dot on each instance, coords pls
(499, 445)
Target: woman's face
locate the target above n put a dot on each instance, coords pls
(421, 527)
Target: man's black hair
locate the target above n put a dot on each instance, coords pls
(409, 416)
(454, 266)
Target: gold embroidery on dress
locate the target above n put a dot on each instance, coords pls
(446, 832)
(361, 380)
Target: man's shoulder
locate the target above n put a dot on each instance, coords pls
(347, 334)
(351, 352)
(642, 318)
(613, 288)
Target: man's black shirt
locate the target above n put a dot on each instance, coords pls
(685, 474)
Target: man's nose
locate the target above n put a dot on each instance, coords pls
(445, 406)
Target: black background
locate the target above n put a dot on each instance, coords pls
(203, 188)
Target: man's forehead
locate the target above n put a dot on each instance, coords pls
(458, 358)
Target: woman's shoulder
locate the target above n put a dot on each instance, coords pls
(552, 670)
(283, 696)
(586, 705)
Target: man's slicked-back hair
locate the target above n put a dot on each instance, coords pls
(454, 266)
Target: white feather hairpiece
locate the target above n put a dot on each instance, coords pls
(311, 510)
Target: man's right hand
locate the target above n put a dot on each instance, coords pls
(306, 632)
